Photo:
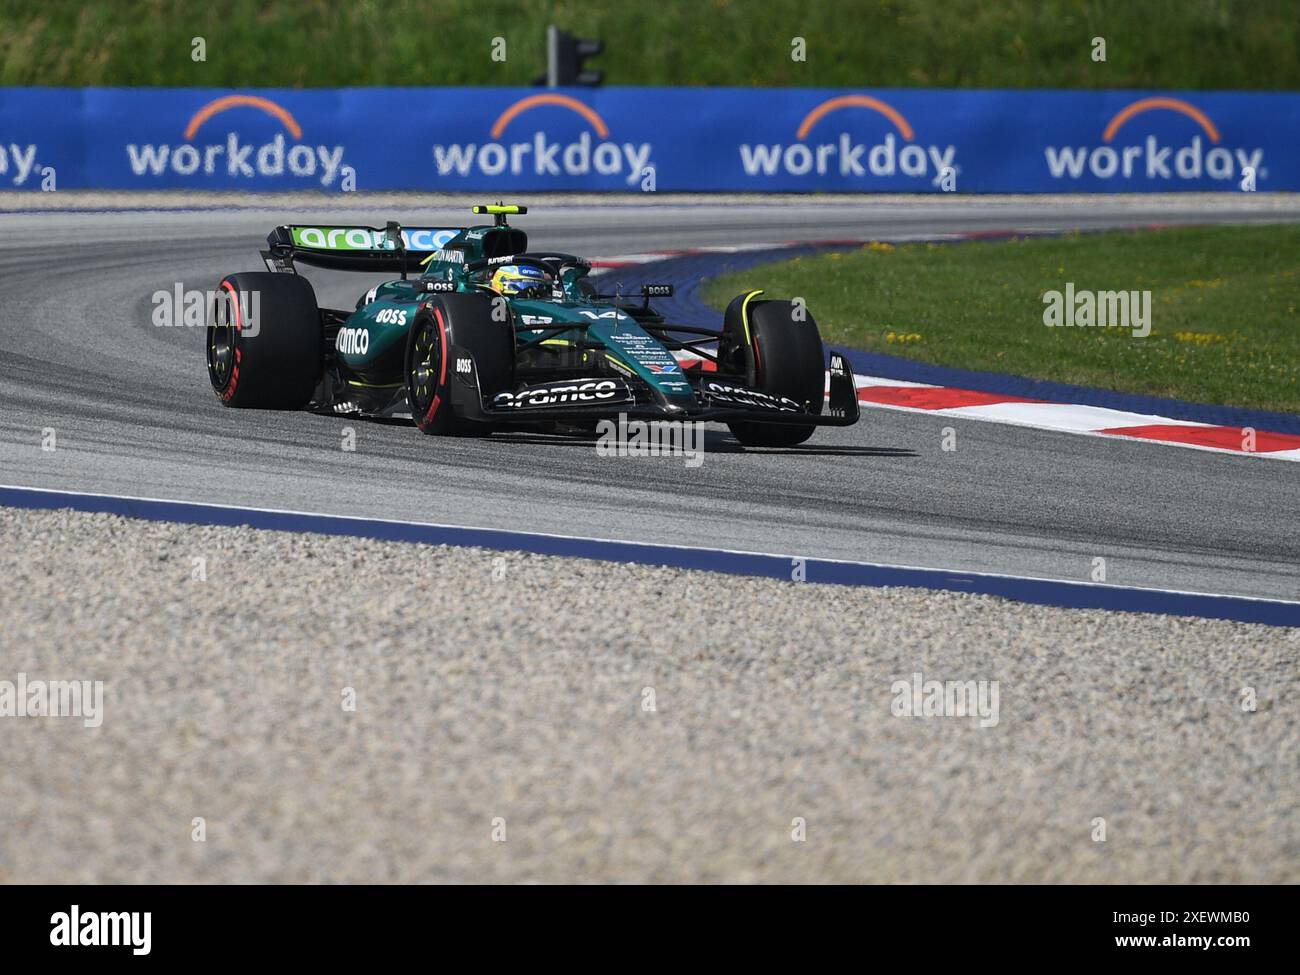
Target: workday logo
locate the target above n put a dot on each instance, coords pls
(228, 156)
(1124, 153)
(17, 162)
(542, 155)
(894, 155)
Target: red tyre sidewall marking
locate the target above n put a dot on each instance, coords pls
(442, 366)
(234, 366)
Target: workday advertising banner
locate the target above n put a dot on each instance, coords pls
(644, 139)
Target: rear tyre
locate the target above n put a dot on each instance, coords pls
(776, 346)
(465, 322)
(264, 343)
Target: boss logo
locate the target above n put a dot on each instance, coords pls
(464, 365)
(391, 316)
(352, 341)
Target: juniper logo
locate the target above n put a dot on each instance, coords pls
(845, 156)
(1152, 159)
(25, 698)
(122, 929)
(542, 156)
(235, 159)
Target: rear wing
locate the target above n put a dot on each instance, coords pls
(350, 248)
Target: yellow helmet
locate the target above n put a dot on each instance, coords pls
(510, 279)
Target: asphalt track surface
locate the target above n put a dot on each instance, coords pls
(133, 414)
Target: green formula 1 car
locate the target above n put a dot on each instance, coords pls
(479, 334)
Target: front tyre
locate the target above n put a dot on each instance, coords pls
(264, 343)
(427, 391)
(460, 325)
(776, 346)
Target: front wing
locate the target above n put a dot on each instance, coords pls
(735, 405)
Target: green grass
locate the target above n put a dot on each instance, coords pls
(1225, 308)
(1246, 44)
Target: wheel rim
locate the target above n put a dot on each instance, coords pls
(426, 356)
(221, 347)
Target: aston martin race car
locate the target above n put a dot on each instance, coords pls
(479, 334)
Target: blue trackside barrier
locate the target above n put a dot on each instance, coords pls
(641, 139)
(1045, 592)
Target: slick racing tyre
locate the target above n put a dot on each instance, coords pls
(775, 345)
(264, 341)
(463, 322)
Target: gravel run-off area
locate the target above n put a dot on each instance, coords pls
(529, 718)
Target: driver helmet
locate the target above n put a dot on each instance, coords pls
(511, 279)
